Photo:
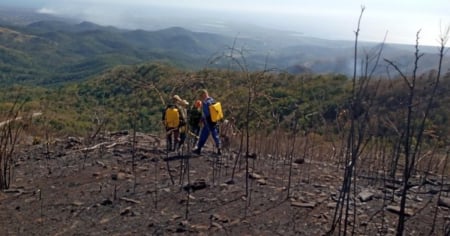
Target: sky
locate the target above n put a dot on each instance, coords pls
(397, 20)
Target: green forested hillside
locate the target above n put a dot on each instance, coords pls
(140, 92)
(54, 52)
(133, 96)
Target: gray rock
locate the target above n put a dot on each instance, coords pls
(365, 195)
(444, 202)
(254, 176)
(304, 204)
(396, 209)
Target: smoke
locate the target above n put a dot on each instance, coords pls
(46, 11)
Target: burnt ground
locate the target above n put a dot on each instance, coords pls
(81, 189)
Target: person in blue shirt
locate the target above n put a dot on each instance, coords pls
(209, 127)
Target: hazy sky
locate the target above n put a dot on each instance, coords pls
(329, 19)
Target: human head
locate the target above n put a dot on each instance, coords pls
(176, 98)
(180, 101)
(203, 94)
(197, 104)
(184, 103)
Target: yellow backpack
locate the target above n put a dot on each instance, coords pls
(215, 110)
(172, 117)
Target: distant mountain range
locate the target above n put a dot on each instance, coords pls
(42, 49)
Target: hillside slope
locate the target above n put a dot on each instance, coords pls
(59, 52)
(53, 51)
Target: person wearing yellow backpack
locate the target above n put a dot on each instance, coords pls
(172, 119)
(209, 125)
(183, 126)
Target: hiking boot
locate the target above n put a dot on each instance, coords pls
(196, 151)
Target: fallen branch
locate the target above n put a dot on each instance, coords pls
(6, 122)
(130, 200)
(97, 146)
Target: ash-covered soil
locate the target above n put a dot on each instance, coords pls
(107, 187)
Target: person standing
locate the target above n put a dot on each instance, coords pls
(171, 121)
(183, 127)
(174, 119)
(194, 117)
(209, 127)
